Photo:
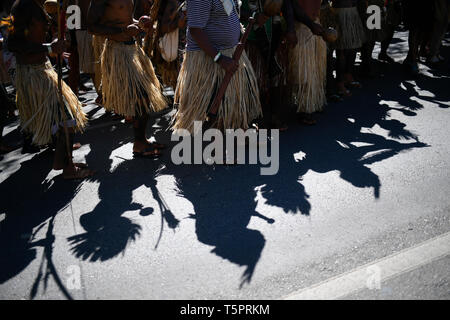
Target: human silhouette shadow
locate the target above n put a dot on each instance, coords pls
(222, 211)
(223, 197)
(107, 232)
(29, 200)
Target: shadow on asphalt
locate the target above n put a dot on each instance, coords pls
(223, 197)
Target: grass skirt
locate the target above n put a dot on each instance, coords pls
(98, 42)
(168, 71)
(85, 51)
(129, 84)
(199, 80)
(37, 101)
(350, 29)
(307, 70)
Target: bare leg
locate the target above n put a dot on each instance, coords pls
(340, 72)
(142, 146)
(385, 45)
(63, 158)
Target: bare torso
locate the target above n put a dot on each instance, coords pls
(84, 6)
(118, 13)
(32, 29)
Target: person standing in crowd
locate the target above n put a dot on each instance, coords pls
(308, 61)
(130, 87)
(98, 43)
(84, 45)
(328, 20)
(351, 37)
(372, 35)
(441, 14)
(212, 35)
(418, 19)
(393, 20)
(258, 50)
(37, 87)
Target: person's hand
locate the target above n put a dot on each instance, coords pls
(228, 64)
(317, 29)
(291, 39)
(58, 46)
(261, 19)
(145, 23)
(132, 30)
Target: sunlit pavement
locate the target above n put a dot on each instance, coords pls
(369, 181)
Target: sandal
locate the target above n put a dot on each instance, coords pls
(148, 153)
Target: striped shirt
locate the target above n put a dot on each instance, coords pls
(223, 30)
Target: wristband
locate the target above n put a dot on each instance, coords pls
(217, 57)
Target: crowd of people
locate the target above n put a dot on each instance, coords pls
(299, 55)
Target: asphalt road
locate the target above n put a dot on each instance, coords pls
(369, 182)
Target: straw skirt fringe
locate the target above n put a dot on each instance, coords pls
(167, 71)
(307, 70)
(98, 42)
(199, 80)
(85, 51)
(351, 34)
(129, 84)
(38, 104)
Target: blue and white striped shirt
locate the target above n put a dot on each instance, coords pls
(223, 31)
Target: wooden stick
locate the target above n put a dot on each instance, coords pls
(226, 80)
(149, 39)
